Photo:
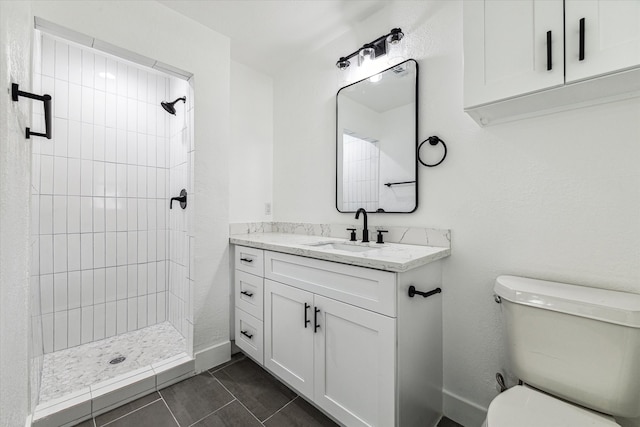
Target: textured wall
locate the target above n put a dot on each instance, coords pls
(555, 197)
(15, 179)
(251, 149)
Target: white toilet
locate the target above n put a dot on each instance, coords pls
(577, 350)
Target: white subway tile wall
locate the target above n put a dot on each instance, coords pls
(35, 304)
(100, 197)
(181, 150)
(360, 180)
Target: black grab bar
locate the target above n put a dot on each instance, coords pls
(46, 99)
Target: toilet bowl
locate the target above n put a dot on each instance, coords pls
(577, 347)
(522, 406)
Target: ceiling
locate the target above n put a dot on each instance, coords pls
(266, 34)
(396, 88)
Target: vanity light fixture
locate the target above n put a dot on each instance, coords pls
(372, 50)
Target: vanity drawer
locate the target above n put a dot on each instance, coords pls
(249, 335)
(370, 289)
(249, 293)
(249, 260)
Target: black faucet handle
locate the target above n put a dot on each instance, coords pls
(380, 239)
(353, 234)
(182, 199)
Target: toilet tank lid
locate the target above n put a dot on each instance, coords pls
(621, 308)
(525, 407)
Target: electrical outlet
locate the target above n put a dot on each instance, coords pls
(267, 208)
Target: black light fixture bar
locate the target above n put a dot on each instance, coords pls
(378, 45)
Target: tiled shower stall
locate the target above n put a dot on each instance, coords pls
(109, 257)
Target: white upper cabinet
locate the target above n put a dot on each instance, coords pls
(610, 37)
(507, 51)
(524, 58)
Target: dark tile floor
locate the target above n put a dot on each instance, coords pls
(238, 393)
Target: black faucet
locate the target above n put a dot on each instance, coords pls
(365, 230)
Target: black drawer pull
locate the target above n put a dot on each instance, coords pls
(249, 294)
(246, 334)
(315, 320)
(246, 259)
(549, 62)
(581, 53)
(306, 319)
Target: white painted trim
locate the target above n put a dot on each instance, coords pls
(212, 356)
(27, 422)
(462, 410)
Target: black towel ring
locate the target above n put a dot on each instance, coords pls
(433, 140)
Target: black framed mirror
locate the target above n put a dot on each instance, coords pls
(376, 142)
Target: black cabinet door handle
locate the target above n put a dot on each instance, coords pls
(246, 259)
(315, 320)
(549, 63)
(581, 53)
(306, 318)
(249, 294)
(246, 334)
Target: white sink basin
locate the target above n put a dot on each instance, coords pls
(342, 246)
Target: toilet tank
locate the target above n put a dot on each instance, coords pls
(577, 343)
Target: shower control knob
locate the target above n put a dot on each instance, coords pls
(182, 199)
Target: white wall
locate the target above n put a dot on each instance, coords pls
(555, 197)
(251, 149)
(15, 181)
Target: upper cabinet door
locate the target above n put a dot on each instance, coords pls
(505, 48)
(611, 37)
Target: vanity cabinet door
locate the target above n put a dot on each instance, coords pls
(355, 364)
(506, 48)
(611, 37)
(288, 339)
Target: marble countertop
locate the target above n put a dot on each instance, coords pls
(388, 256)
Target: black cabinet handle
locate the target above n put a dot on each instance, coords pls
(315, 320)
(249, 294)
(246, 334)
(246, 259)
(549, 63)
(581, 54)
(306, 319)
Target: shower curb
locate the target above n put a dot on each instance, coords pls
(102, 397)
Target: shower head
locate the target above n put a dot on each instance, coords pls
(169, 106)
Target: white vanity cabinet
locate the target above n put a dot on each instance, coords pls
(522, 58)
(351, 340)
(248, 297)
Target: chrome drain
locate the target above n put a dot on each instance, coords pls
(117, 360)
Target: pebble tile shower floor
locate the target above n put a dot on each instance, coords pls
(75, 368)
(236, 394)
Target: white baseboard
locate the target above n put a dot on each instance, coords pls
(462, 411)
(212, 356)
